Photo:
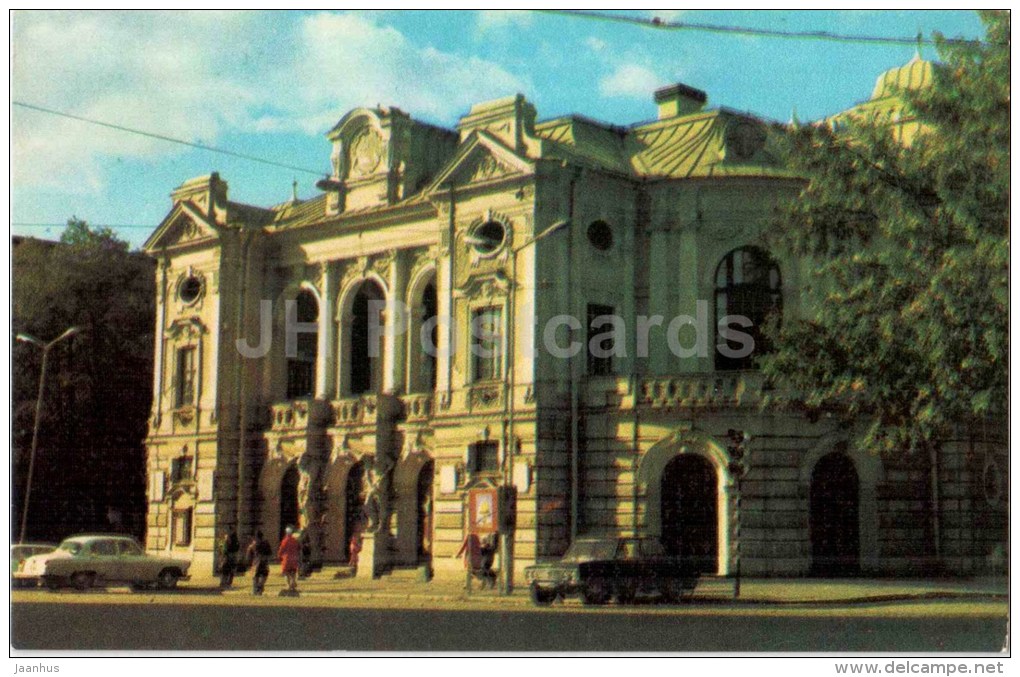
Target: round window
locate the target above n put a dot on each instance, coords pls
(600, 234)
(488, 237)
(190, 289)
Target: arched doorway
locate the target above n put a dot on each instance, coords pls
(690, 519)
(835, 517)
(353, 500)
(425, 478)
(365, 359)
(290, 511)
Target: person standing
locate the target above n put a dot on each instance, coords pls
(289, 553)
(231, 546)
(259, 552)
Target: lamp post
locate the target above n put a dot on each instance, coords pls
(71, 331)
(509, 375)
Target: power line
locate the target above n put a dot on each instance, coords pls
(162, 137)
(656, 22)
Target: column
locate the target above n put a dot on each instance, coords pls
(395, 326)
(325, 368)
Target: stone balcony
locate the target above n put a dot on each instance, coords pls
(298, 415)
(709, 390)
(418, 406)
(355, 411)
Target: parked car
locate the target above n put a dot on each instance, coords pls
(22, 551)
(599, 569)
(84, 561)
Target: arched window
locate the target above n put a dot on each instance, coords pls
(748, 289)
(365, 359)
(301, 363)
(423, 337)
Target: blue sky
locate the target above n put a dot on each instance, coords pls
(270, 84)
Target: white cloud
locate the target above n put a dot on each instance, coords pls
(197, 76)
(495, 19)
(630, 80)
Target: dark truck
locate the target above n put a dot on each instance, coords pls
(600, 569)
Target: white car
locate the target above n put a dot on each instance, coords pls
(84, 561)
(21, 552)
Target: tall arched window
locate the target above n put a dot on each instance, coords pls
(366, 351)
(748, 289)
(301, 363)
(423, 337)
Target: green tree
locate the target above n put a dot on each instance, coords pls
(90, 465)
(905, 322)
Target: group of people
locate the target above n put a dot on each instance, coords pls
(257, 557)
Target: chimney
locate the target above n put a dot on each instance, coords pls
(679, 99)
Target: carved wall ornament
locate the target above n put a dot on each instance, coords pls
(365, 152)
(488, 167)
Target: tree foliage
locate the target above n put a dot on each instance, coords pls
(90, 464)
(905, 323)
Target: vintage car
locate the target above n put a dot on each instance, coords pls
(22, 551)
(84, 561)
(600, 569)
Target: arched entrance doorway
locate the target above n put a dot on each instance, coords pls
(290, 511)
(365, 359)
(425, 478)
(835, 517)
(354, 498)
(690, 519)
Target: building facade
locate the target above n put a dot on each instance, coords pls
(295, 381)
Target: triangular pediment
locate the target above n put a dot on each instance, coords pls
(184, 225)
(481, 158)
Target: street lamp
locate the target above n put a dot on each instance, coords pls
(71, 331)
(509, 366)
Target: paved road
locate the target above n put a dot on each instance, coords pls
(195, 625)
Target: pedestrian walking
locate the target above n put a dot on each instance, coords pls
(231, 547)
(289, 553)
(258, 554)
(354, 548)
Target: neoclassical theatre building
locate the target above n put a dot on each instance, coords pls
(294, 384)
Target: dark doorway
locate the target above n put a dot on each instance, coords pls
(690, 518)
(425, 478)
(290, 512)
(835, 510)
(354, 497)
(366, 360)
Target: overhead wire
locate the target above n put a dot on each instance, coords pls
(656, 22)
(170, 139)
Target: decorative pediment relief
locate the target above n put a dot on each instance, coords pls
(184, 225)
(481, 158)
(493, 286)
(186, 328)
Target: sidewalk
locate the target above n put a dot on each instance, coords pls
(711, 591)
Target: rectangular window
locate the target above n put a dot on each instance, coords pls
(601, 364)
(181, 469)
(486, 344)
(483, 457)
(182, 527)
(185, 376)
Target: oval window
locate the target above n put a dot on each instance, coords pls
(600, 234)
(190, 289)
(488, 237)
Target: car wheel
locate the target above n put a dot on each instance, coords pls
(594, 592)
(83, 580)
(672, 591)
(625, 593)
(168, 579)
(542, 597)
